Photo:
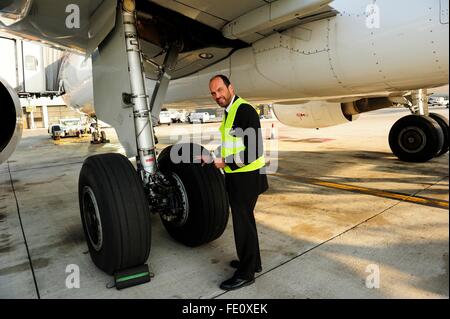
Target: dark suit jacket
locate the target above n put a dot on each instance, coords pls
(247, 184)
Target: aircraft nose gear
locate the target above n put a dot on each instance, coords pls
(98, 137)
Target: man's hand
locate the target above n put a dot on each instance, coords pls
(206, 159)
(219, 163)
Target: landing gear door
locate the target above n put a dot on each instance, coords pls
(111, 79)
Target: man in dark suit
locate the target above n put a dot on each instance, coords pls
(241, 157)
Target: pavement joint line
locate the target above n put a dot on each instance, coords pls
(371, 191)
(43, 167)
(23, 234)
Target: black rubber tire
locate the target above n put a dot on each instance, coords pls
(206, 193)
(443, 123)
(123, 209)
(416, 126)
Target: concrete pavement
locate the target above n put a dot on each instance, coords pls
(316, 241)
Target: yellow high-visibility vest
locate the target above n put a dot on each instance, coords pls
(232, 145)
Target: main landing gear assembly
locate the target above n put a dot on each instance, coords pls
(421, 136)
(116, 199)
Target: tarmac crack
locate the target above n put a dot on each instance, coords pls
(23, 233)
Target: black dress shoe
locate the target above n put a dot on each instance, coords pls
(236, 283)
(235, 264)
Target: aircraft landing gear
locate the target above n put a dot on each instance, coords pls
(421, 136)
(443, 123)
(116, 201)
(416, 138)
(97, 136)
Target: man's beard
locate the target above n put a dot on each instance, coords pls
(225, 103)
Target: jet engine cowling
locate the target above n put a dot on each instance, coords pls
(312, 114)
(319, 114)
(10, 120)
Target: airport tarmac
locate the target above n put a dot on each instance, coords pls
(343, 218)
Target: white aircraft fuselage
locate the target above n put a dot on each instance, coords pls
(363, 51)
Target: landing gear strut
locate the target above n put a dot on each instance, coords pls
(421, 136)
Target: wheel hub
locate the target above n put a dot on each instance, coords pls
(182, 204)
(175, 207)
(92, 218)
(412, 139)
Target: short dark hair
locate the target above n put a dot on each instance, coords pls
(225, 80)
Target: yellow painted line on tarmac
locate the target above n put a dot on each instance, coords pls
(371, 191)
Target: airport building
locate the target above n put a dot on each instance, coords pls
(32, 68)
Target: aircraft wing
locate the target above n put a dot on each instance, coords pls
(206, 31)
(248, 20)
(210, 30)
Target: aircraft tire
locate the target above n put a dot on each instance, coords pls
(94, 136)
(103, 136)
(208, 212)
(443, 123)
(416, 138)
(114, 213)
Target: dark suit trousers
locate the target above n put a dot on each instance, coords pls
(245, 234)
